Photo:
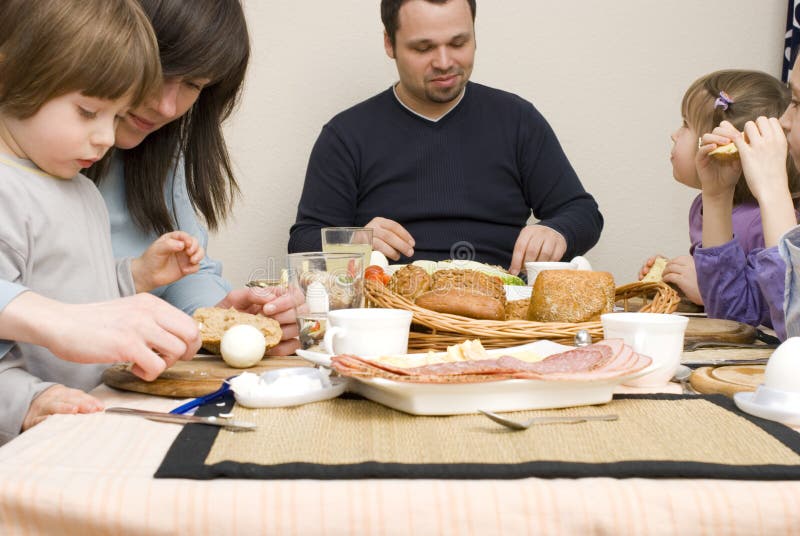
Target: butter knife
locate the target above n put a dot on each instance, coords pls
(725, 362)
(184, 419)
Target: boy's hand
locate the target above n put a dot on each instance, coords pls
(170, 257)
(59, 399)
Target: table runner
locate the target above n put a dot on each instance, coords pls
(350, 438)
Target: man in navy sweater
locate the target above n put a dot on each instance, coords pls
(441, 167)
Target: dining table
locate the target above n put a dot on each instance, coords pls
(94, 474)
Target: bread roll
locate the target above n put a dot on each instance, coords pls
(410, 281)
(214, 321)
(467, 293)
(571, 296)
(463, 302)
(517, 309)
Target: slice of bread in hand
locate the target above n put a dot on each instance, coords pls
(214, 321)
(725, 152)
(655, 272)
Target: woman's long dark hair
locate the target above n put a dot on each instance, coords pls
(196, 39)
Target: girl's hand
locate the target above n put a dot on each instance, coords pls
(681, 271)
(717, 177)
(59, 399)
(170, 257)
(647, 265)
(763, 158)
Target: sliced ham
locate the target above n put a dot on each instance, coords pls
(605, 359)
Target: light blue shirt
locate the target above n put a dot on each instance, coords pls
(202, 289)
(789, 247)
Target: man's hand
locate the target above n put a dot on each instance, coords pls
(140, 329)
(274, 302)
(172, 256)
(59, 399)
(537, 243)
(391, 238)
(681, 272)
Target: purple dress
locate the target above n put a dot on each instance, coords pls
(740, 280)
(747, 228)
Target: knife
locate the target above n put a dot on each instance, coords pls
(725, 362)
(184, 419)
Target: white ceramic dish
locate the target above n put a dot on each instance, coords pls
(788, 414)
(505, 395)
(265, 399)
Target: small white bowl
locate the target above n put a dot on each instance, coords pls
(534, 267)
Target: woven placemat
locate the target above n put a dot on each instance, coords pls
(347, 438)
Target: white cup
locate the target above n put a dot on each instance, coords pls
(658, 336)
(534, 267)
(367, 332)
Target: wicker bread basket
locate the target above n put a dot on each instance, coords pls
(435, 331)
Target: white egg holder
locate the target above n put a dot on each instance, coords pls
(771, 404)
(264, 397)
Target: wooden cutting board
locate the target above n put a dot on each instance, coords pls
(727, 380)
(190, 379)
(712, 329)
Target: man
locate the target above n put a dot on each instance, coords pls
(441, 167)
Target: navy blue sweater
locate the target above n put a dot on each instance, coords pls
(463, 187)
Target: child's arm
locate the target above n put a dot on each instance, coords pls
(170, 257)
(59, 399)
(718, 180)
(140, 329)
(764, 163)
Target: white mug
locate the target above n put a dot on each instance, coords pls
(658, 336)
(534, 267)
(368, 332)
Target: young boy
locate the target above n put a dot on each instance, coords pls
(68, 70)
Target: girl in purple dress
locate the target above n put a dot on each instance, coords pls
(735, 96)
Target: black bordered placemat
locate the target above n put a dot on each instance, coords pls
(187, 457)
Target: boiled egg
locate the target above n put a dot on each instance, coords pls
(242, 346)
(378, 259)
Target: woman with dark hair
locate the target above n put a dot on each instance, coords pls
(171, 161)
(170, 166)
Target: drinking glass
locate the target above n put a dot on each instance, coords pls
(348, 240)
(320, 282)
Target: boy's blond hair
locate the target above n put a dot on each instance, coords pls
(48, 48)
(754, 94)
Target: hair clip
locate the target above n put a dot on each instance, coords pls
(723, 101)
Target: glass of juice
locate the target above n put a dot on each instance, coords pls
(348, 240)
(320, 282)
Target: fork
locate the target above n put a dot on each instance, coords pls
(564, 419)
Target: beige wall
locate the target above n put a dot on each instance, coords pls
(609, 76)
